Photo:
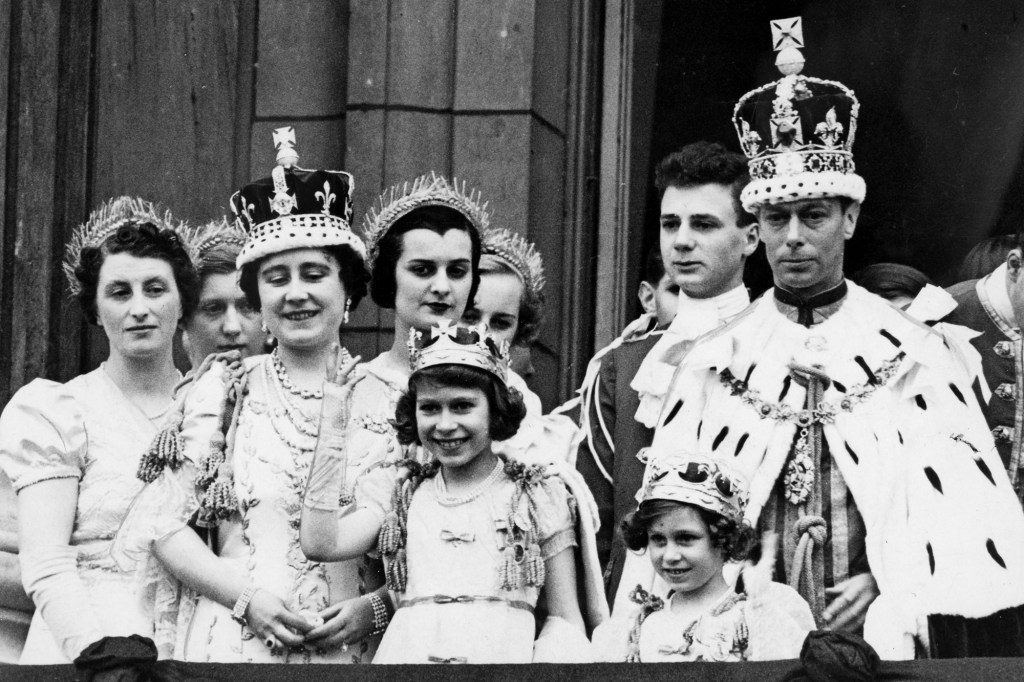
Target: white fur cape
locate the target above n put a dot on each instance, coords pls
(945, 532)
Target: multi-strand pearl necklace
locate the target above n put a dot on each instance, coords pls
(286, 382)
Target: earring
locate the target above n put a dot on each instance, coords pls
(263, 326)
(348, 306)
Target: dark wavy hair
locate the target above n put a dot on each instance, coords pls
(735, 538)
(506, 405)
(352, 273)
(437, 219)
(142, 240)
(705, 163)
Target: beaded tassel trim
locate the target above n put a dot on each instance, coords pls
(649, 603)
(522, 563)
(394, 532)
(214, 476)
(165, 452)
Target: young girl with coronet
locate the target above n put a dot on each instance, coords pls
(690, 523)
(470, 538)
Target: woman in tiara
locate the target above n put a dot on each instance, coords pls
(510, 303)
(423, 243)
(223, 319)
(510, 298)
(72, 450)
(234, 459)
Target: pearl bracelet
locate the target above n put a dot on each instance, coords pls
(380, 613)
(238, 613)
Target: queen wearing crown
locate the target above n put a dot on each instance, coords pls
(72, 450)
(231, 464)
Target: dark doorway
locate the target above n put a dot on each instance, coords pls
(941, 125)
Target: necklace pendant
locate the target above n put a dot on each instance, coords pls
(799, 478)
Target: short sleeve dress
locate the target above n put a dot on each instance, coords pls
(87, 430)
(771, 626)
(454, 609)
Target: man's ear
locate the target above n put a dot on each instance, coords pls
(850, 216)
(1015, 264)
(752, 233)
(646, 295)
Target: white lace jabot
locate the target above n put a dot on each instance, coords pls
(694, 317)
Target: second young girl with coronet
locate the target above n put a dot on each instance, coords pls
(690, 523)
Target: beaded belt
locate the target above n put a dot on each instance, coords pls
(464, 599)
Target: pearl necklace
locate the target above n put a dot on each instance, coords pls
(286, 382)
(297, 416)
(446, 500)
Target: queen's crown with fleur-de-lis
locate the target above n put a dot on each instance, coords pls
(449, 344)
(797, 132)
(294, 208)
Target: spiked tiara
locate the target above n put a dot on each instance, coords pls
(107, 220)
(202, 238)
(520, 255)
(426, 190)
(693, 479)
(453, 345)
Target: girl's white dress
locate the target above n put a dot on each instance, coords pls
(771, 626)
(85, 429)
(453, 609)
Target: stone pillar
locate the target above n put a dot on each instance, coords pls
(476, 89)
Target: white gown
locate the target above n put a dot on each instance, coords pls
(85, 429)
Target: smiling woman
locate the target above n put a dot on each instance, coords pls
(424, 248)
(72, 450)
(244, 441)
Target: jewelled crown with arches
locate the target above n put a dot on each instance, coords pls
(692, 478)
(449, 344)
(107, 220)
(426, 190)
(797, 132)
(518, 254)
(294, 208)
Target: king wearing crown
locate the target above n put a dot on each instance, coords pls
(855, 424)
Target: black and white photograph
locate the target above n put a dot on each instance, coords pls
(469, 334)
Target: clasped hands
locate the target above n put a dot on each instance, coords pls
(281, 629)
